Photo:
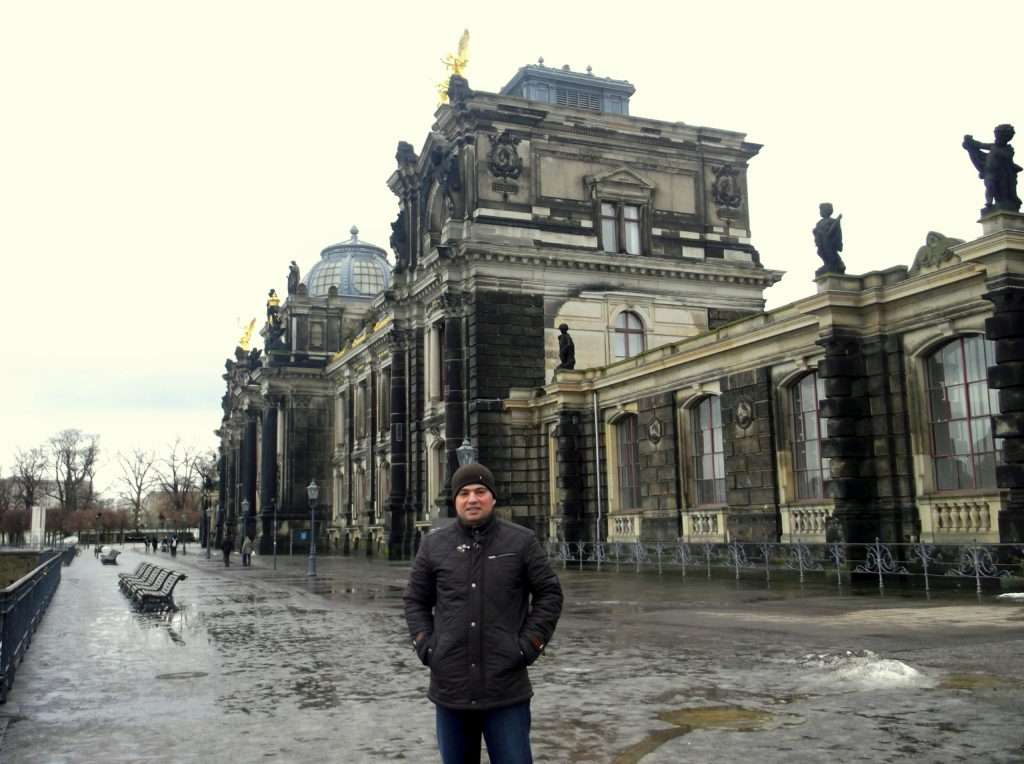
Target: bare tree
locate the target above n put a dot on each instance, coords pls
(177, 475)
(138, 478)
(29, 474)
(74, 465)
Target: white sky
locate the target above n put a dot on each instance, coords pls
(160, 163)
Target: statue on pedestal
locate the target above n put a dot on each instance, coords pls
(828, 237)
(566, 349)
(293, 278)
(995, 165)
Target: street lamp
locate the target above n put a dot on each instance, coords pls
(99, 517)
(465, 453)
(206, 514)
(312, 493)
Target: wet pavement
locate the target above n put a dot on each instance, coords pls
(264, 665)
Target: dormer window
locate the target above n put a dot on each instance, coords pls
(620, 228)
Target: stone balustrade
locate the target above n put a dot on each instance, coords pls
(960, 519)
(805, 523)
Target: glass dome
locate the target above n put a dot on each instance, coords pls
(356, 268)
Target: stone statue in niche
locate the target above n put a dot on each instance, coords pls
(293, 278)
(566, 349)
(828, 237)
(400, 242)
(995, 165)
(450, 180)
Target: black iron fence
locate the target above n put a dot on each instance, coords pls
(920, 565)
(22, 605)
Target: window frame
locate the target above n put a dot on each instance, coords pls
(627, 462)
(697, 455)
(796, 426)
(969, 418)
(626, 332)
(621, 225)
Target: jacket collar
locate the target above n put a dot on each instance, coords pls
(478, 531)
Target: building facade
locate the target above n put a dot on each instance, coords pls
(865, 410)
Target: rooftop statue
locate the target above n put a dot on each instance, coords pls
(995, 165)
(293, 278)
(566, 349)
(455, 64)
(828, 237)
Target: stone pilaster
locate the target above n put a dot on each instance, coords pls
(1006, 329)
(222, 492)
(400, 535)
(454, 410)
(848, 445)
(248, 468)
(569, 481)
(268, 477)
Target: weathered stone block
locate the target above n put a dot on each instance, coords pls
(1006, 375)
(1010, 475)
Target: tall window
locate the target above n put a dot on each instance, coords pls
(620, 228)
(384, 401)
(359, 412)
(708, 452)
(628, 337)
(628, 453)
(810, 469)
(440, 468)
(960, 404)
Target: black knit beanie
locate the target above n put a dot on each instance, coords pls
(472, 473)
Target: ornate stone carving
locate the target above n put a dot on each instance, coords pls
(405, 155)
(655, 431)
(293, 278)
(400, 241)
(566, 349)
(937, 250)
(744, 413)
(503, 160)
(726, 191)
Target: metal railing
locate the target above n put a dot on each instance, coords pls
(22, 605)
(921, 565)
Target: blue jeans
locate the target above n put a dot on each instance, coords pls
(506, 730)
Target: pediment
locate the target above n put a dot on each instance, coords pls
(622, 176)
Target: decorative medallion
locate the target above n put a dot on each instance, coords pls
(503, 160)
(744, 415)
(655, 431)
(725, 189)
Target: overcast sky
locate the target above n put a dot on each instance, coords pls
(161, 163)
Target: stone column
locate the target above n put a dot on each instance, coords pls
(569, 501)
(248, 469)
(400, 533)
(848, 445)
(268, 477)
(1006, 329)
(454, 410)
(222, 492)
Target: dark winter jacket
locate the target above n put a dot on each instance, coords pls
(481, 604)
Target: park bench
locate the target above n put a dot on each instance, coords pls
(153, 581)
(108, 555)
(158, 597)
(145, 573)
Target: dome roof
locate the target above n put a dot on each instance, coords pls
(356, 268)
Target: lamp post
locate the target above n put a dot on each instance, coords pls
(312, 493)
(274, 502)
(465, 453)
(99, 517)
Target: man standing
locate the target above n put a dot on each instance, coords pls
(481, 604)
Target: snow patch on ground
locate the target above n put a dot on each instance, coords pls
(863, 669)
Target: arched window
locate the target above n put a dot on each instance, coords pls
(810, 469)
(629, 335)
(628, 457)
(708, 452)
(960, 404)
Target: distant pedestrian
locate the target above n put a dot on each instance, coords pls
(227, 547)
(247, 553)
(174, 546)
(481, 604)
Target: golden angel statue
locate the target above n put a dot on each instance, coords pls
(455, 64)
(243, 341)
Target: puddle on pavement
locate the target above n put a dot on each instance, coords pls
(182, 675)
(687, 720)
(974, 682)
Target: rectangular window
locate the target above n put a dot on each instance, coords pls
(810, 469)
(628, 452)
(620, 228)
(708, 452)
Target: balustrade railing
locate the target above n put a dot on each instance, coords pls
(22, 605)
(921, 564)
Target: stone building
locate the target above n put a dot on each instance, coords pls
(862, 411)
